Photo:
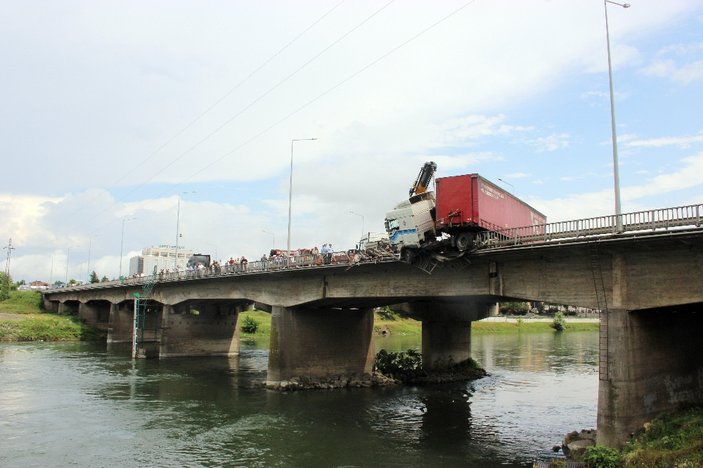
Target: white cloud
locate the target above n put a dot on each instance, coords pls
(553, 142)
(682, 142)
(684, 74)
(634, 197)
(518, 175)
(468, 129)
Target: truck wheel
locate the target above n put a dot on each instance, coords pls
(464, 241)
(408, 255)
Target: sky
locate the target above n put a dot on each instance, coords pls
(125, 122)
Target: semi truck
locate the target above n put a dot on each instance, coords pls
(445, 224)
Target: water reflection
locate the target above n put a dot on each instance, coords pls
(79, 404)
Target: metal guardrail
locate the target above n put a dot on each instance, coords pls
(651, 220)
(297, 262)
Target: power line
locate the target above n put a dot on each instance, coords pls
(208, 110)
(261, 96)
(228, 94)
(266, 93)
(334, 87)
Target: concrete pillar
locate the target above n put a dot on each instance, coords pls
(653, 364)
(51, 306)
(120, 322)
(88, 314)
(199, 328)
(320, 346)
(446, 328)
(445, 342)
(68, 308)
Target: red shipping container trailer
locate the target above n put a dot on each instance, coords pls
(470, 202)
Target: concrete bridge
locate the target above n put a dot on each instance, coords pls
(646, 283)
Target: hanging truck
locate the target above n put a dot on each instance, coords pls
(445, 225)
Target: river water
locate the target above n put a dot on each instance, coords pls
(80, 405)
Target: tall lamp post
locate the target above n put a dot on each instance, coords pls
(90, 247)
(616, 165)
(290, 194)
(273, 238)
(362, 222)
(178, 224)
(124, 219)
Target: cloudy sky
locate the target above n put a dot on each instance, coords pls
(112, 110)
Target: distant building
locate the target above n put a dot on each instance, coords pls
(38, 285)
(161, 257)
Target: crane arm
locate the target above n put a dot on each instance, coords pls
(423, 178)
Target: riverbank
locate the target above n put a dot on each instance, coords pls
(394, 325)
(673, 440)
(22, 319)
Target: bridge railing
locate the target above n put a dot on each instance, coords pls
(259, 266)
(652, 220)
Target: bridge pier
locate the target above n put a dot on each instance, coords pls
(653, 364)
(446, 329)
(120, 322)
(320, 346)
(199, 328)
(95, 314)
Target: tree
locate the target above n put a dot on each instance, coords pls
(4, 287)
(94, 277)
(250, 324)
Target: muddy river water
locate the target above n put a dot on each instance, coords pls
(81, 405)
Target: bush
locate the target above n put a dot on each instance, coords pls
(386, 313)
(601, 456)
(4, 287)
(514, 308)
(250, 325)
(402, 365)
(559, 323)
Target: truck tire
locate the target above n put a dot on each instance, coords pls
(408, 255)
(464, 241)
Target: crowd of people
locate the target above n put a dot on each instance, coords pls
(276, 259)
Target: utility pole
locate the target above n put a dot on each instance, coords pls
(9, 249)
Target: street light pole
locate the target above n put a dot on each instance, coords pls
(290, 194)
(90, 247)
(124, 219)
(616, 164)
(362, 222)
(178, 224)
(273, 238)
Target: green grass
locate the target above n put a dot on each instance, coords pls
(399, 326)
(675, 440)
(45, 327)
(409, 327)
(28, 322)
(263, 318)
(22, 302)
(527, 327)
